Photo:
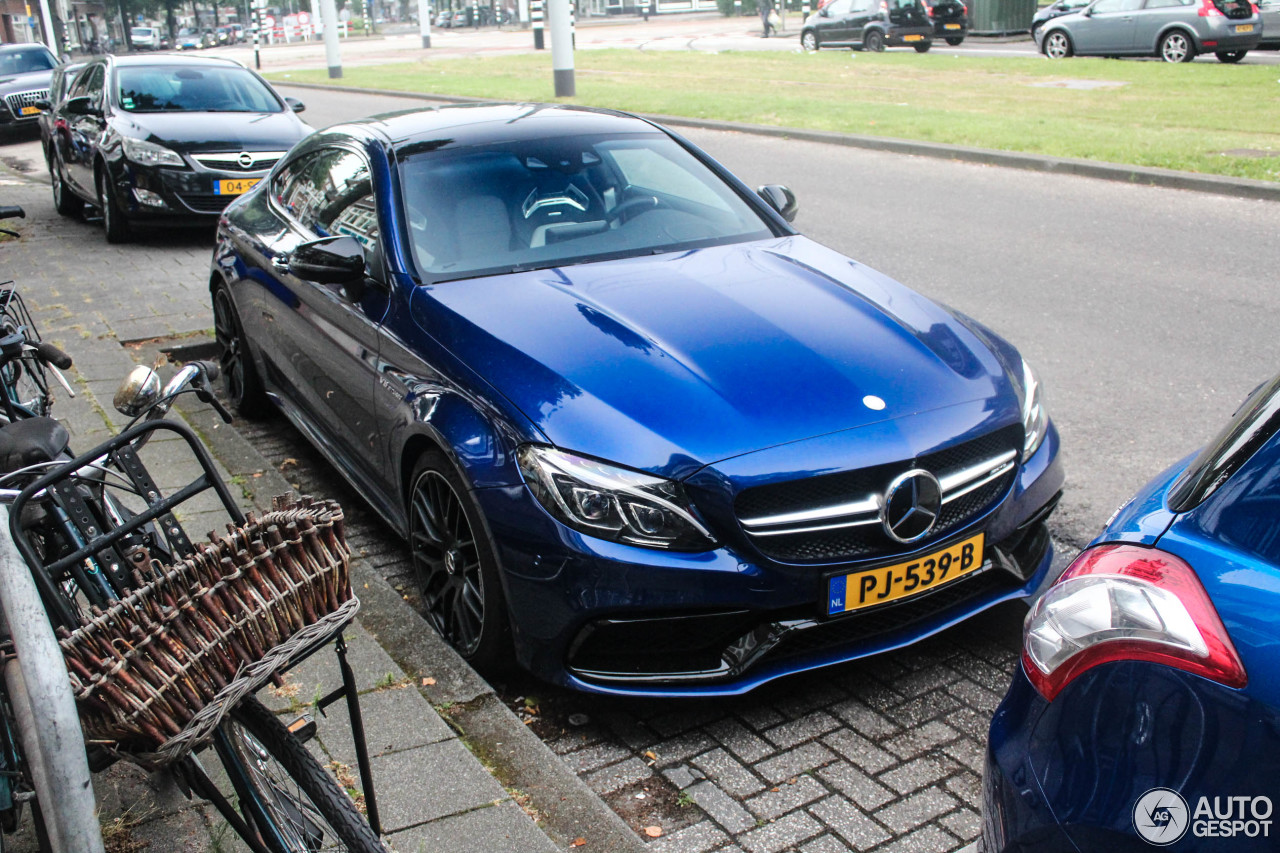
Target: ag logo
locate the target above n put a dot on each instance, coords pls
(1160, 816)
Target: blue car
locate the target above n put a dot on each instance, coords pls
(1146, 710)
(641, 435)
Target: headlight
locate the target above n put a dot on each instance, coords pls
(1035, 418)
(150, 154)
(612, 503)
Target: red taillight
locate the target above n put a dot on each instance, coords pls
(1208, 10)
(884, 6)
(1123, 602)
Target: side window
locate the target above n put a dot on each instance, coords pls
(1103, 6)
(840, 8)
(94, 88)
(1164, 4)
(83, 81)
(330, 192)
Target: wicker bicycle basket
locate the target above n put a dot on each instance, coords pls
(156, 672)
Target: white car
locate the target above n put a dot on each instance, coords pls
(145, 38)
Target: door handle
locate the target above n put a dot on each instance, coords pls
(280, 263)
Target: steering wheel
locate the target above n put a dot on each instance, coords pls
(631, 207)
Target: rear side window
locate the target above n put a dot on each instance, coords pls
(1164, 4)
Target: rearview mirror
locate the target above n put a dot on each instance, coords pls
(138, 392)
(781, 199)
(332, 260)
(294, 104)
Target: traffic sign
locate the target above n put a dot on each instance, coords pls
(268, 21)
(303, 18)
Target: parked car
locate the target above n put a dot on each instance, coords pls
(950, 20)
(189, 39)
(869, 24)
(25, 73)
(146, 38)
(1150, 675)
(59, 84)
(444, 20)
(1174, 30)
(643, 437)
(1270, 12)
(1054, 10)
(162, 139)
(225, 35)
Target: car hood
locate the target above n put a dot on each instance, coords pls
(672, 362)
(195, 132)
(25, 82)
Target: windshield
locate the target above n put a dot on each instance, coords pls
(35, 58)
(142, 31)
(548, 202)
(223, 89)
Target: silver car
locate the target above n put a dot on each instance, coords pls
(1270, 24)
(1174, 30)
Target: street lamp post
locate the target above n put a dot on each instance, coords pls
(424, 21)
(329, 18)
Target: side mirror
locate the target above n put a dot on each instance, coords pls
(781, 199)
(331, 260)
(82, 106)
(138, 392)
(294, 104)
(43, 105)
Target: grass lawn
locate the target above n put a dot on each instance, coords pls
(1211, 118)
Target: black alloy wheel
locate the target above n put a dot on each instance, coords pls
(1231, 57)
(65, 201)
(113, 221)
(873, 42)
(955, 41)
(809, 40)
(923, 47)
(455, 565)
(239, 376)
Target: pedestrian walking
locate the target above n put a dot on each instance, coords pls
(766, 12)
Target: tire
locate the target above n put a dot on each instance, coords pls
(113, 221)
(873, 42)
(240, 378)
(1177, 46)
(304, 804)
(923, 48)
(809, 40)
(1057, 45)
(455, 565)
(1230, 57)
(955, 41)
(65, 201)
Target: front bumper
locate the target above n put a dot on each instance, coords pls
(1066, 775)
(178, 196)
(609, 618)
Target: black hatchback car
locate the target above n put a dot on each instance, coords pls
(869, 24)
(25, 70)
(950, 20)
(164, 139)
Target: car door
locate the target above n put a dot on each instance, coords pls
(324, 337)
(83, 129)
(863, 12)
(1152, 19)
(1108, 25)
(1270, 10)
(834, 24)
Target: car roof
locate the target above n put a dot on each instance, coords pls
(479, 124)
(135, 59)
(15, 48)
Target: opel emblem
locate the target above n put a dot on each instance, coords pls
(911, 506)
(246, 160)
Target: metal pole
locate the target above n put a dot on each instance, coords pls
(804, 11)
(257, 28)
(573, 24)
(737, 7)
(368, 19)
(535, 13)
(50, 40)
(68, 800)
(329, 17)
(562, 48)
(424, 22)
(522, 9)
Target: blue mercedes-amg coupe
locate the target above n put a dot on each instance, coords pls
(642, 436)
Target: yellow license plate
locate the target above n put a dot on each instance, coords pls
(235, 186)
(846, 593)
(1245, 28)
(912, 38)
(951, 26)
(28, 111)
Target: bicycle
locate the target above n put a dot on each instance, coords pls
(100, 548)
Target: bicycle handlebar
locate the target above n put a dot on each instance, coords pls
(12, 212)
(50, 354)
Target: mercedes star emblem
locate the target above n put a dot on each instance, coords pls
(911, 506)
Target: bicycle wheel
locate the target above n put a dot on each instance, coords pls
(304, 808)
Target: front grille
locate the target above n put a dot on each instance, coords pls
(18, 100)
(206, 203)
(229, 161)
(847, 503)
